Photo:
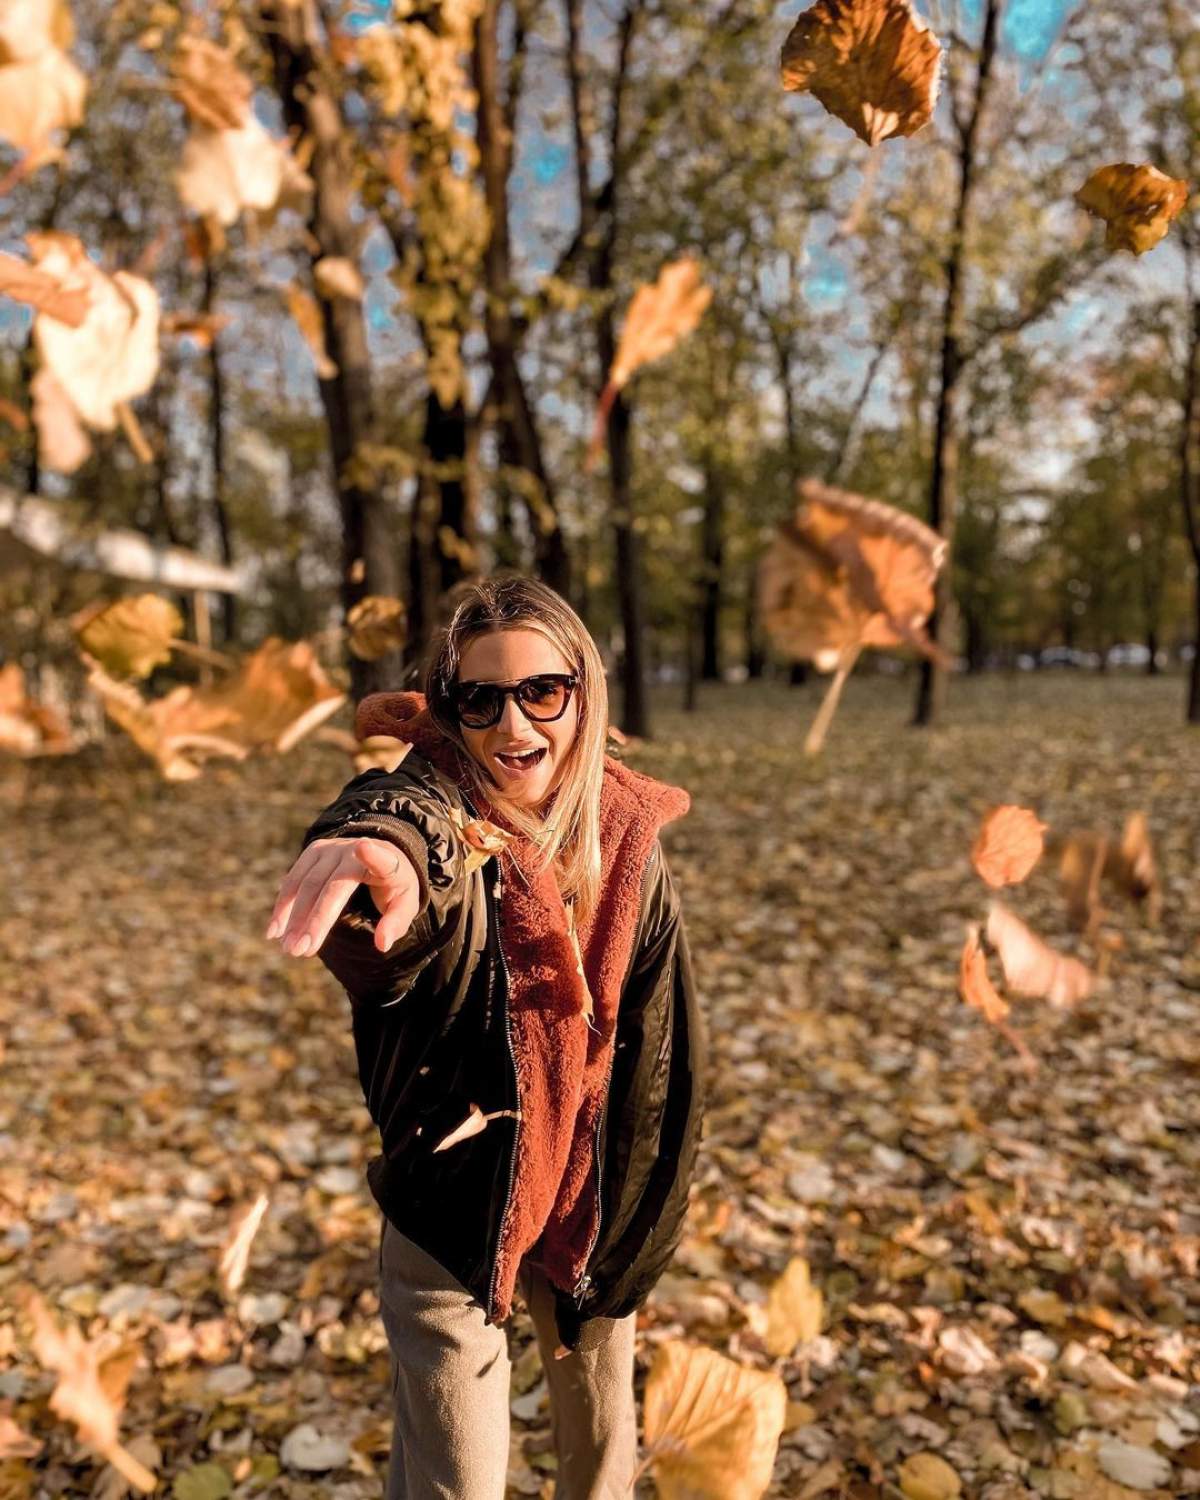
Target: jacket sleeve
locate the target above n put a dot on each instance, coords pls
(407, 808)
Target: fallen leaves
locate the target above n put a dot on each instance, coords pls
(873, 63)
(925, 1476)
(1137, 203)
(793, 1311)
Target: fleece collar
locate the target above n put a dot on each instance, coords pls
(563, 1065)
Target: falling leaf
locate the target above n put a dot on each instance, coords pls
(925, 1476)
(1009, 844)
(208, 83)
(42, 92)
(794, 1309)
(475, 1122)
(338, 276)
(1134, 866)
(235, 1254)
(1031, 967)
(129, 637)
(975, 986)
(112, 356)
(377, 624)
(307, 316)
(660, 315)
(480, 839)
(201, 327)
(63, 443)
(1081, 866)
(1138, 203)
(15, 1442)
(83, 1395)
(43, 292)
(28, 728)
(873, 63)
(712, 1425)
(847, 571)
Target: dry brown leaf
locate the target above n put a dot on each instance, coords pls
(660, 315)
(223, 172)
(27, 728)
(338, 276)
(306, 314)
(63, 443)
(475, 1122)
(480, 839)
(43, 292)
(711, 1426)
(1009, 843)
(1081, 866)
(42, 92)
(235, 1253)
(975, 986)
(85, 1395)
(274, 697)
(1134, 867)
(1033, 968)
(925, 1476)
(201, 327)
(129, 637)
(848, 572)
(874, 64)
(380, 751)
(15, 1442)
(209, 84)
(377, 624)
(112, 356)
(1138, 203)
(794, 1309)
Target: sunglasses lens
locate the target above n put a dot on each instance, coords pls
(544, 697)
(478, 706)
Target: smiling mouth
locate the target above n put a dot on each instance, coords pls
(522, 762)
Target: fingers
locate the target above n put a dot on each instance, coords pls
(397, 916)
(381, 862)
(290, 885)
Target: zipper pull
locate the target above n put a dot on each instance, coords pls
(582, 1286)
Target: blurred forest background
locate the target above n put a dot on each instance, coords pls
(392, 251)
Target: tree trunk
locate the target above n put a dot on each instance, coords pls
(1189, 446)
(302, 71)
(216, 433)
(943, 486)
(756, 656)
(712, 572)
(519, 440)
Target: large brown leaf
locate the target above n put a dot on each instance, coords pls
(41, 90)
(712, 1425)
(1138, 203)
(1009, 843)
(847, 572)
(873, 63)
(129, 637)
(44, 293)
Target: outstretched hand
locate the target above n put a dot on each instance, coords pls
(314, 892)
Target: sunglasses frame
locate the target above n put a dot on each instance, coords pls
(513, 689)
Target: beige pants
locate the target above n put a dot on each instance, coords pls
(450, 1387)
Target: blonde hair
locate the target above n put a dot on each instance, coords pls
(568, 837)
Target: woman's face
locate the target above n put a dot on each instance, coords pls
(507, 656)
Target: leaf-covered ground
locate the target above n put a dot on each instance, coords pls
(1008, 1259)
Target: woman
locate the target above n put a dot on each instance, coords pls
(527, 1035)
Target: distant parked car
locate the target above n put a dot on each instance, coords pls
(1131, 654)
(1067, 656)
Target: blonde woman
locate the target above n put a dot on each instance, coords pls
(527, 1034)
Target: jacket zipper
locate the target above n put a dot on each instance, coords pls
(512, 1161)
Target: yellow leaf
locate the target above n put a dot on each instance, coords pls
(712, 1425)
(131, 636)
(377, 624)
(925, 1476)
(659, 316)
(1138, 203)
(338, 276)
(307, 316)
(873, 63)
(794, 1309)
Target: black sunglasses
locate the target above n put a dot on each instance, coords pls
(542, 698)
